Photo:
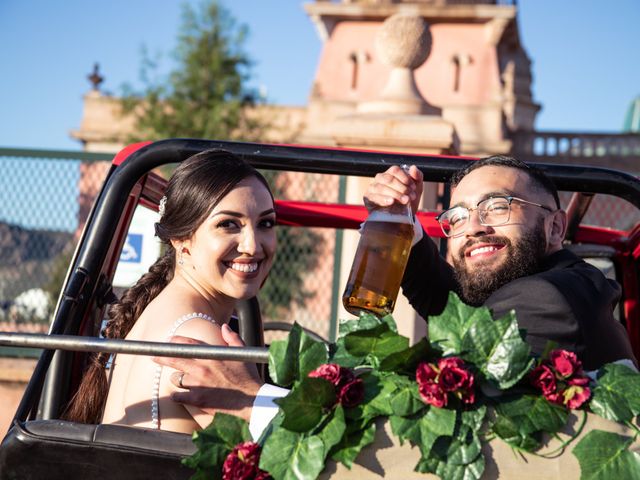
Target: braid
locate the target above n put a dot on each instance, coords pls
(87, 404)
(123, 315)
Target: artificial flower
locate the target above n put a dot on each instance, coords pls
(242, 463)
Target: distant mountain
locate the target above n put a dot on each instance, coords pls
(27, 257)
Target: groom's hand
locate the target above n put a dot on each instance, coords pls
(214, 385)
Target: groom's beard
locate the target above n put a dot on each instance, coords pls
(523, 258)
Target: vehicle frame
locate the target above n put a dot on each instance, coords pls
(40, 444)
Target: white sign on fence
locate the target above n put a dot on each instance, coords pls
(141, 248)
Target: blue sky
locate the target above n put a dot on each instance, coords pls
(585, 58)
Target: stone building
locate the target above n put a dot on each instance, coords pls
(420, 76)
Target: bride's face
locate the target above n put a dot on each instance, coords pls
(232, 252)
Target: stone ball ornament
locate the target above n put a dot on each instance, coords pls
(404, 41)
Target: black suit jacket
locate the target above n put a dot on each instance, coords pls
(570, 302)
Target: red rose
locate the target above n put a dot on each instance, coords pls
(577, 392)
(352, 393)
(425, 373)
(554, 397)
(330, 372)
(242, 463)
(543, 378)
(468, 396)
(579, 380)
(349, 389)
(565, 363)
(432, 394)
(453, 375)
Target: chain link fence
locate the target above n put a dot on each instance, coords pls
(45, 197)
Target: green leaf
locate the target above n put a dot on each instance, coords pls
(352, 443)
(437, 422)
(388, 319)
(306, 404)
(341, 356)
(519, 421)
(474, 418)
(508, 430)
(447, 330)
(406, 360)
(288, 455)
(333, 429)
(366, 321)
(216, 442)
(292, 359)
(406, 428)
(496, 348)
(377, 343)
(281, 370)
(464, 448)
(605, 456)
(405, 400)
(447, 471)
(617, 394)
(378, 390)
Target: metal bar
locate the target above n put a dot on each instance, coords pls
(576, 210)
(160, 349)
(56, 154)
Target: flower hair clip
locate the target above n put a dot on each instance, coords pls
(162, 206)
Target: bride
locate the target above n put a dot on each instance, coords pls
(217, 223)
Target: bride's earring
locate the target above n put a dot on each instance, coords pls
(181, 257)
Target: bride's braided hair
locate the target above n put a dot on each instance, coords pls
(195, 188)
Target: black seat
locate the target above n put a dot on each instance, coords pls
(56, 449)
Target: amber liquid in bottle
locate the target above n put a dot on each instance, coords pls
(379, 263)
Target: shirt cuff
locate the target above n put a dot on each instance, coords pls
(264, 409)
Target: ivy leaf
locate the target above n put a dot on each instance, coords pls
(497, 349)
(405, 400)
(289, 455)
(334, 428)
(376, 343)
(214, 444)
(606, 455)
(437, 422)
(378, 390)
(519, 421)
(343, 357)
(305, 405)
(406, 428)
(447, 330)
(406, 360)
(292, 359)
(508, 430)
(449, 471)
(424, 429)
(352, 443)
(474, 418)
(617, 394)
(366, 321)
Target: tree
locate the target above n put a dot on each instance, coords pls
(206, 96)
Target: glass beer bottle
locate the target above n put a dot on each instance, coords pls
(380, 261)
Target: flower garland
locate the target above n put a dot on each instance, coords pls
(436, 394)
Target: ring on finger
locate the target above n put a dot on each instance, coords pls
(180, 384)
